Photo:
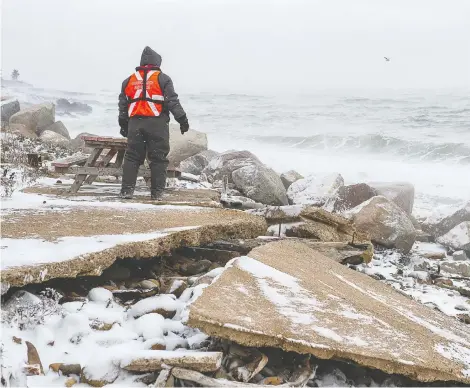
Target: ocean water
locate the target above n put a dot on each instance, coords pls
(419, 136)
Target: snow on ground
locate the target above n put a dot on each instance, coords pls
(69, 335)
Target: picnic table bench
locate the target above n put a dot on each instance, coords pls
(88, 167)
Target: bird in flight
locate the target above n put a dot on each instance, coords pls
(387, 59)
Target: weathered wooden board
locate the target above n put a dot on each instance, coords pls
(70, 161)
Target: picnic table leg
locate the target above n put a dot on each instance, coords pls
(104, 163)
(79, 178)
(119, 160)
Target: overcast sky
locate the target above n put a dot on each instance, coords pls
(240, 46)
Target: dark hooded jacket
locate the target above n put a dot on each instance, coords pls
(171, 104)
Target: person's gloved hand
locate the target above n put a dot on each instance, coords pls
(184, 124)
(123, 123)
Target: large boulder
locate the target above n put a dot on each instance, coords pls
(197, 163)
(441, 223)
(348, 197)
(60, 128)
(260, 184)
(290, 177)
(458, 237)
(53, 138)
(35, 118)
(9, 108)
(387, 224)
(461, 268)
(402, 193)
(227, 162)
(314, 189)
(21, 130)
(78, 144)
(184, 146)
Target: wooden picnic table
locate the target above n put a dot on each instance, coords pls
(88, 167)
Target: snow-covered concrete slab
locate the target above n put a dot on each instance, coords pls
(290, 296)
(65, 238)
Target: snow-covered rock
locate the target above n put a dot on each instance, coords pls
(261, 184)
(461, 268)
(60, 128)
(227, 162)
(101, 295)
(36, 118)
(387, 224)
(197, 163)
(149, 326)
(445, 219)
(458, 237)
(348, 197)
(98, 374)
(165, 304)
(460, 256)
(290, 177)
(314, 189)
(401, 193)
(184, 146)
(54, 138)
(78, 143)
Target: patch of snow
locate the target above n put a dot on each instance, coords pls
(167, 302)
(99, 294)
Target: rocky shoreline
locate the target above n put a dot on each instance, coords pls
(368, 227)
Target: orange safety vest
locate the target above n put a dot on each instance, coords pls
(150, 104)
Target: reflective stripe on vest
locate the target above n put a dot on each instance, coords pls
(148, 104)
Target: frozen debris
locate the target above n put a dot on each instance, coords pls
(154, 360)
(269, 300)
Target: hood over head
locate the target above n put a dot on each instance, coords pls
(150, 57)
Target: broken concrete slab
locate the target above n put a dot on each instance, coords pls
(289, 296)
(85, 240)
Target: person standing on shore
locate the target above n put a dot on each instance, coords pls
(147, 97)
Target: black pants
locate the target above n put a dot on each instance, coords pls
(149, 136)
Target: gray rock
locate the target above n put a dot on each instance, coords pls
(8, 109)
(65, 106)
(387, 224)
(197, 163)
(290, 177)
(21, 130)
(60, 128)
(78, 144)
(402, 193)
(458, 237)
(35, 118)
(261, 184)
(460, 256)
(184, 146)
(348, 197)
(227, 162)
(53, 138)
(315, 189)
(461, 268)
(438, 225)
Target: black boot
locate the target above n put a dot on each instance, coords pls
(156, 195)
(126, 194)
